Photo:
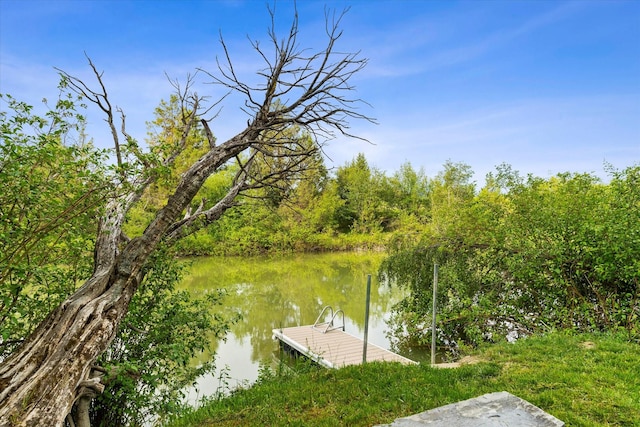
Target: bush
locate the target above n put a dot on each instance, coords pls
(529, 256)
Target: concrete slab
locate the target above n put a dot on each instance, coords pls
(499, 409)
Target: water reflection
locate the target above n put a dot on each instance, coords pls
(286, 291)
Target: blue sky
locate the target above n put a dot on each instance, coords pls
(546, 86)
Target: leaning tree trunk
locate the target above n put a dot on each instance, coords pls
(51, 370)
(37, 380)
(53, 364)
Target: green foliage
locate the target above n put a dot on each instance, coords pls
(53, 186)
(584, 380)
(410, 197)
(164, 139)
(578, 249)
(312, 210)
(521, 256)
(367, 198)
(164, 136)
(149, 363)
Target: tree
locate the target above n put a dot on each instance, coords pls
(357, 188)
(48, 212)
(52, 369)
(164, 135)
(52, 189)
(412, 189)
(522, 256)
(574, 250)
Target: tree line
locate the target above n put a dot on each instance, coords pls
(353, 206)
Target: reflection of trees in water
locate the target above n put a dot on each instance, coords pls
(290, 291)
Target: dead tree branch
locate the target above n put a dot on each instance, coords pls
(302, 93)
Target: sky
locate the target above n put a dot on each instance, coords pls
(545, 86)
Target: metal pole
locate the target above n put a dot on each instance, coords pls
(433, 320)
(366, 320)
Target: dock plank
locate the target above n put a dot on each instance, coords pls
(335, 348)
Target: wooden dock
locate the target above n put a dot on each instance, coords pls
(334, 348)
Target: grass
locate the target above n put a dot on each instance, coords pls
(584, 380)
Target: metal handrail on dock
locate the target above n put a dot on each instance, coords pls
(329, 325)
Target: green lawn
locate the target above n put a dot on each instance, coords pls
(584, 380)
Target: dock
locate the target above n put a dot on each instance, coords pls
(333, 348)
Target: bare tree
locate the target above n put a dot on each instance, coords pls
(53, 369)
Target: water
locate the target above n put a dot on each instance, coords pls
(279, 292)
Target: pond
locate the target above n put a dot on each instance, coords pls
(285, 291)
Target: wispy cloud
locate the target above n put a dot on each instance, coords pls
(541, 136)
(416, 47)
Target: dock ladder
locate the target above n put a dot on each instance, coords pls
(328, 325)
